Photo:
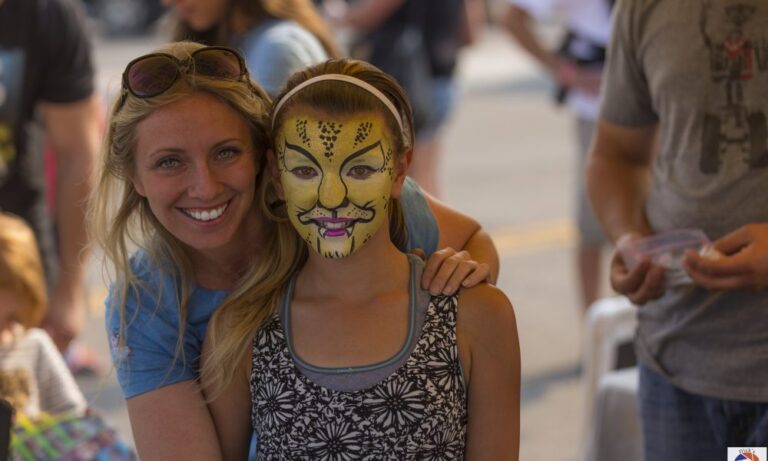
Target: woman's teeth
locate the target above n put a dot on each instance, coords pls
(206, 215)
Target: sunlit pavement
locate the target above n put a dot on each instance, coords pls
(508, 162)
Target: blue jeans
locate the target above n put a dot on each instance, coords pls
(681, 425)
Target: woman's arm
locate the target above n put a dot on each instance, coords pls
(490, 354)
(231, 409)
(173, 422)
(467, 256)
(168, 414)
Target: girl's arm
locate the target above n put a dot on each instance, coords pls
(59, 392)
(490, 354)
(173, 422)
(231, 409)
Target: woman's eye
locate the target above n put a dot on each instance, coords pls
(304, 172)
(168, 163)
(360, 172)
(227, 153)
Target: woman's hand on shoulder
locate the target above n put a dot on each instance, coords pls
(447, 270)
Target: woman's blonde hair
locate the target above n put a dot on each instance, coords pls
(302, 12)
(121, 219)
(256, 300)
(21, 269)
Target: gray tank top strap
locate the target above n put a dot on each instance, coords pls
(362, 377)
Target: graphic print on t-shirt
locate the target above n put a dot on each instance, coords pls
(11, 71)
(738, 57)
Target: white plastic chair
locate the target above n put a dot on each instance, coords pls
(612, 419)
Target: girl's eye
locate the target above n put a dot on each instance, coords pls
(360, 172)
(304, 172)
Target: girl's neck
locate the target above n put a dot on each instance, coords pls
(377, 267)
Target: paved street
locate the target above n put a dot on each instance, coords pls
(508, 162)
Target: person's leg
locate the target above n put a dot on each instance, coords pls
(588, 260)
(677, 424)
(426, 154)
(591, 237)
(745, 424)
(425, 164)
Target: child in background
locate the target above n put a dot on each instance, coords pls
(33, 376)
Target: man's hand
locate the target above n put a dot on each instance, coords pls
(447, 270)
(643, 283)
(576, 77)
(742, 265)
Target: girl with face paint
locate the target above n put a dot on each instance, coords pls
(351, 357)
(177, 214)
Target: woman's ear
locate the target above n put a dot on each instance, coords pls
(401, 168)
(138, 185)
(274, 172)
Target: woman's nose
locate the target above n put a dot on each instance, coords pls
(205, 183)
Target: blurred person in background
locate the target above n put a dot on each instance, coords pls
(576, 67)
(440, 28)
(694, 73)
(47, 80)
(277, 37)
(33, 376)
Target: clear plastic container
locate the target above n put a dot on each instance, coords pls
(665, 249)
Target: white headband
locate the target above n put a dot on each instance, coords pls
(341, 78)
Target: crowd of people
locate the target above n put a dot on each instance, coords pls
(282, 286)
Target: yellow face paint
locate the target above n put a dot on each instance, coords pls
(337, 176)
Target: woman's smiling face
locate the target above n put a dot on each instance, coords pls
(195, 165)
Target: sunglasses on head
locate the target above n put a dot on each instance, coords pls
(153, 74)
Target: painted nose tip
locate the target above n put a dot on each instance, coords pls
(332, 192)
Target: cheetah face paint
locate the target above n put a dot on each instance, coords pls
(337, 176)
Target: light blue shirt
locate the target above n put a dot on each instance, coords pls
(276, 49)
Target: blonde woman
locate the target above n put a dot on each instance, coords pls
(184, 157)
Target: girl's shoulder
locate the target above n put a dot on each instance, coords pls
(484, 310)
(32, 341)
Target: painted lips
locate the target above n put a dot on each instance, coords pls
(335, 227)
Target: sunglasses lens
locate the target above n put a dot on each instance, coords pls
(152, 75)
(218, 63)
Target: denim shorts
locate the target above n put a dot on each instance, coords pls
(681, 425)
(443, 98)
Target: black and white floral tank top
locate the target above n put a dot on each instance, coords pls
(417, 412)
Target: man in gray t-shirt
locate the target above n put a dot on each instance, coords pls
(682, 143)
